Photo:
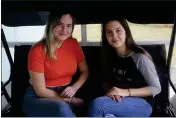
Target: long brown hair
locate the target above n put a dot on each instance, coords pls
(48, 38)
(108, 51)
(130, 43)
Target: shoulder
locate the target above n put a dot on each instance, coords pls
(142, 60)
(140, 57)
(72, 41)
(37, 48)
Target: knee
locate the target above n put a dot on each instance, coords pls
(64, 110)
(97, 102)
(62, 105)
(149, 112)
(95, 105)
(142, 112)
(146, 111)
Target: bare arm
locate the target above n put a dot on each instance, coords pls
(70, 91)
(139, 92)
(83, 68)
(38, 83)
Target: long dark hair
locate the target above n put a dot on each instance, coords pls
(108, 52)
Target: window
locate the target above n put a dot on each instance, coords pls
(29, 33)
(93, 32)
(150, 32)
(172, 70)
(77, 32)
(5, 65)
(32, 34)
(140, 32)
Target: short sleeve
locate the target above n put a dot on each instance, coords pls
(36, 59)
(79, 52)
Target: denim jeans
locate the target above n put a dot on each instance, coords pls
(34, 106)
(128, 106)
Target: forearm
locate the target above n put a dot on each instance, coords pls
(47, 93)
(81, 80)
(140, 92)
(38, 83)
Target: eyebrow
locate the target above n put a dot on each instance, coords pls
(115, 29)
(63, 23)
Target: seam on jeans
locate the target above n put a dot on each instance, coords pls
(63, 110)
(105, 106)
(140, 105)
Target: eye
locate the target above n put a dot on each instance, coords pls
(118, 30)
(108, 32)
(69, 26)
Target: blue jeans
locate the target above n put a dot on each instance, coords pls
(128, 106)
(34, 106)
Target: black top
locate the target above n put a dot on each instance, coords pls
(124, 74)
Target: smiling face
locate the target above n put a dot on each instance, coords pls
(115, 34)
(63, 29)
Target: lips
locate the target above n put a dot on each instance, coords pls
(114, 41)
(62, 34)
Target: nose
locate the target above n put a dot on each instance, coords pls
(63, 27)
(114, 34)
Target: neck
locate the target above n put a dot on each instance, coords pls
(123, 51)
(58, 43)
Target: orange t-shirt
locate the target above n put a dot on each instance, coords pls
(57, 72)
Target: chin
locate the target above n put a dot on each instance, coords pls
(117, 46)
(62, 38)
